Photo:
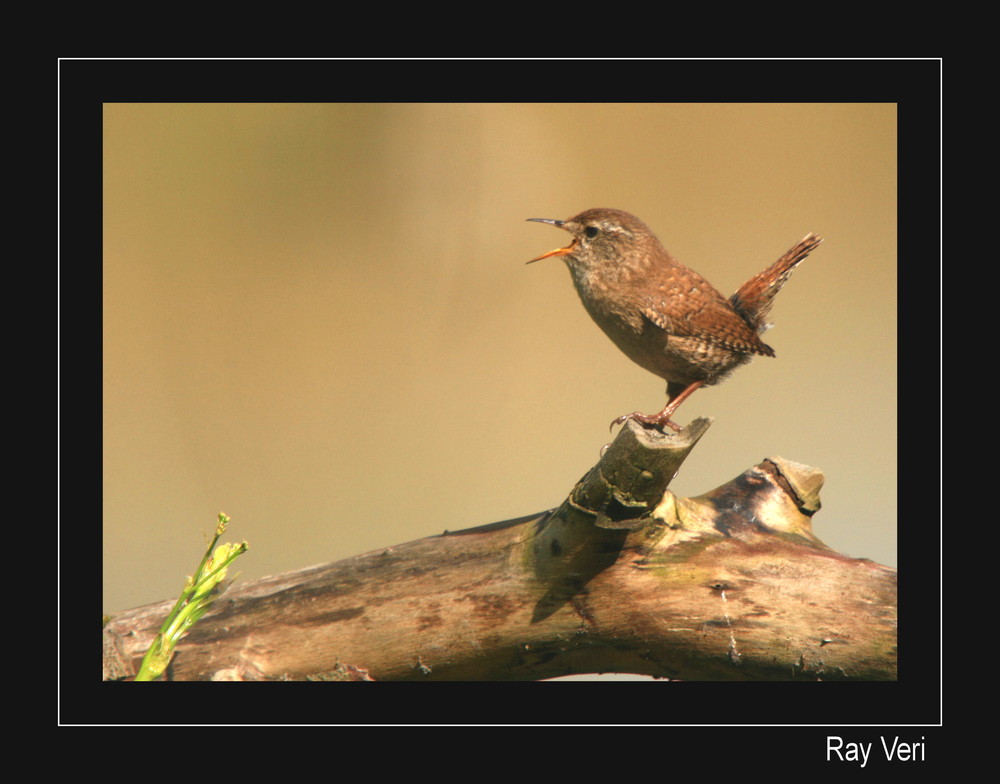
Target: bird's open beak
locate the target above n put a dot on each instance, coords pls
(558, 251)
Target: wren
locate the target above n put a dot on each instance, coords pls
(667, 318)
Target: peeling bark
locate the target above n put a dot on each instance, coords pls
(622, 577)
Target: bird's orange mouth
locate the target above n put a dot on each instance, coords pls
(557, 252)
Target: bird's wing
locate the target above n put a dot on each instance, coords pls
(704, 314)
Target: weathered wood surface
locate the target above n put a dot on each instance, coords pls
(622, 577)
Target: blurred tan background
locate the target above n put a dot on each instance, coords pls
(318, 318)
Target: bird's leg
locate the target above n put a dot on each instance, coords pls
(663, 418)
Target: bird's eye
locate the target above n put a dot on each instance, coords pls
(591, 232)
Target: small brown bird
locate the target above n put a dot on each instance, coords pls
(665, 317)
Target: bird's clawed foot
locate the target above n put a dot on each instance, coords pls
(663, 418)
(647, 420)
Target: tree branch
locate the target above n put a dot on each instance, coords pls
(622, 577)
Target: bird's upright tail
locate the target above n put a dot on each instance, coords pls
(754, 299)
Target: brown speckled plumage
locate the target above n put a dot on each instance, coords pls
(665, 317)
